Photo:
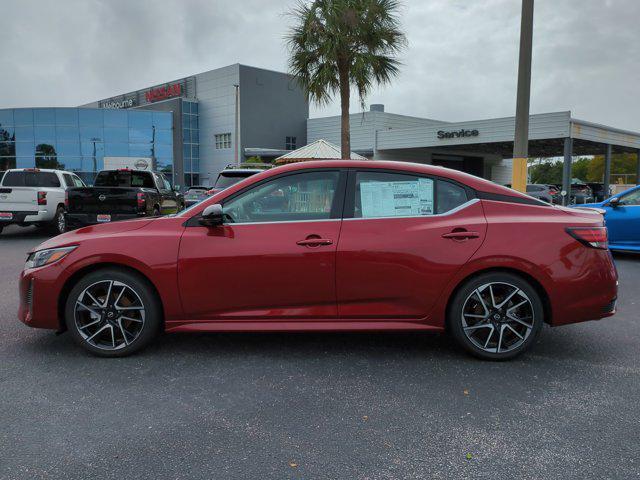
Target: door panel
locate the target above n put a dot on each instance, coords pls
(397, 267)
(274, 259)
(623, 223)
(407, 235)
(259, 271)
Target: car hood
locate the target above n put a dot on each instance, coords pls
(93, 231)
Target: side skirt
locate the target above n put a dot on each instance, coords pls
(298, 326)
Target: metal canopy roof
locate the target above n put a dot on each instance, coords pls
(318, 150)
(546, 136)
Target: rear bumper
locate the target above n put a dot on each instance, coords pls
(589, 294)
(27, 217)
(78, 220)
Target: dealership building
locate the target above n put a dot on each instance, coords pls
(190, 128)
(480, 147)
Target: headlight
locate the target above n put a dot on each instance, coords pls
(47, 257)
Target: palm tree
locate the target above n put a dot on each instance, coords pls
(337, 44)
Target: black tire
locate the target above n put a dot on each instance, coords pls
(1, 228)
(152, 319)
(59, 224)
(467, 297)
(156, 211)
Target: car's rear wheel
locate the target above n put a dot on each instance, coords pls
(496, 316)
(113, 313)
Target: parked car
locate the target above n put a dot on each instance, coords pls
(334, 246)
(32, 196)
(194, 195)
(233, 174)
(598, 191)
(546, 193)
(120, 195)
(622, 218)
(580, 193)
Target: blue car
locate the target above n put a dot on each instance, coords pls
(622, 218)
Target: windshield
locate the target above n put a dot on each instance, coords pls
(226, 179)
(123, 178)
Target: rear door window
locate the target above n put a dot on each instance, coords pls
(31, 179)
(68, 180)
(384, 194)
(77, 182)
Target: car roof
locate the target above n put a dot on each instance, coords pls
(472, 181)
(37, 170)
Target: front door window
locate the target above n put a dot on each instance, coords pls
(291, 198)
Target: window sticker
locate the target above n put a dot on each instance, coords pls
(397, 199)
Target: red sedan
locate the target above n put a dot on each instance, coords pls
(332, 246)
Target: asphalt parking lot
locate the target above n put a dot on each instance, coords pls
(316, 406)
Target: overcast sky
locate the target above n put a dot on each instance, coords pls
(461, 62)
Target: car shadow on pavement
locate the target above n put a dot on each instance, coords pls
(31, 232)
(567, 343)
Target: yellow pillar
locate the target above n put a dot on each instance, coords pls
(519, 175)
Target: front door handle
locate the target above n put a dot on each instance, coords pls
(461, 235)
(314, 242)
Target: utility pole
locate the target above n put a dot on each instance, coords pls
(521, 139)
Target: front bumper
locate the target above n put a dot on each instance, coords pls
(78, 220)
(39, 290)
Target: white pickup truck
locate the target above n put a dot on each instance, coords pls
(32, 196)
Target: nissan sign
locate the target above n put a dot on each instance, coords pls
(142, 164)
(457, 134)
(162, 93)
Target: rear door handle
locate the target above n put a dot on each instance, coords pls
(461, 235)
(314, 242)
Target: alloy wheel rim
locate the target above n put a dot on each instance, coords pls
(61, 223)
(497, 317)
(109, 315)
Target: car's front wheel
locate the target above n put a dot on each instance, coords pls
(496, 316)
(113, 313)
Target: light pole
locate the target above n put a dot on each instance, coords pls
(237, 128)
(95, 160)
(521, 138)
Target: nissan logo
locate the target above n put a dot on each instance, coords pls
(142, 164)
(102, 198)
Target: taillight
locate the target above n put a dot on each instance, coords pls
(66, 199)
(42, 198)
(595, 237)
(142, 201)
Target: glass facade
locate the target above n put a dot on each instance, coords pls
(78, 139)
(191, 143)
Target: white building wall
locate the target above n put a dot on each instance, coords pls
(216, 107)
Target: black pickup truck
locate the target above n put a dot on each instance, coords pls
(121, 195)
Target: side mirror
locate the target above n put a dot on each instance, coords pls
(614, 202)
(212, 216)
